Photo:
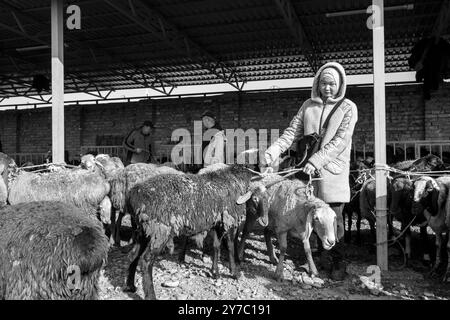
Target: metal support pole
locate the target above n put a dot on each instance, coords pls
(380, 132)
(57, 81)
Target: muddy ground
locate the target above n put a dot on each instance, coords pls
(192, 280)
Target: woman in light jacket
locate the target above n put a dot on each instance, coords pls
(214, 149)
(332, 160)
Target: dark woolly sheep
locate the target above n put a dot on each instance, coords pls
(288, 210)
(121, 184)
(356, 180)
(84, 189)
(367, 195)
(51, 251)
(432, 198)
(427, 163)
(402, 193)
(367, 203)
(184, 205)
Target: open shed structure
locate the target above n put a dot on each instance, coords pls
(160, 44)
(163, 44)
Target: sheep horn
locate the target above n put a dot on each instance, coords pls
(98, 163)
(244, 198)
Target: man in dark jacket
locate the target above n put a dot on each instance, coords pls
(139, 144)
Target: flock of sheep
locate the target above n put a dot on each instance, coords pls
(418, 195)
(52, 224)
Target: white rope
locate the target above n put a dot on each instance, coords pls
(384, 167)
(48, 165)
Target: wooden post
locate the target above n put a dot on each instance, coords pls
(57, 81)
(380, 132)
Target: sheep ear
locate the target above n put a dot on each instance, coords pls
(434, 207)
(443, 192)
(244, 198)
(308, 224)
(2, 167)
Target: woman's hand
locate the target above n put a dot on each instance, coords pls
(309, 169)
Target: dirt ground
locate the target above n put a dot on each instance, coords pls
(193, 281)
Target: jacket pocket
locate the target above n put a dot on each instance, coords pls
(336, 166)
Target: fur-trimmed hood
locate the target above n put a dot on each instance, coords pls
(315, 92)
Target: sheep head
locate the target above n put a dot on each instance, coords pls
(257, 198)
(426, 194)
(102, 164)
(402, 190)
(257, 204)
(108, 165)
(88, 162)
(322, 219)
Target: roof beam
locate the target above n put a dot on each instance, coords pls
(10, 94)
(156, 24)
(74, 86)
(298, 32)
(83, 45)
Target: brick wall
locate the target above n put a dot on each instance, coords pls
(408, 117)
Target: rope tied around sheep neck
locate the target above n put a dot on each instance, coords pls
(15, 170)
(50, 164)
(389, 169)
(309, 186)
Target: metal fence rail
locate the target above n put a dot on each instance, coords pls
(35, 158)
(162, 154)
(408, 150)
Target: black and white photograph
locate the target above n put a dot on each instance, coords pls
(229, 156)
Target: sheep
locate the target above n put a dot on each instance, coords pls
(402, 190)
(353, 206)
(289, 210)
(121, 184)
(171, 205)
(199, 238)
(84, 189)
(41, 245)
(367, 194)
(431, 196)
(427, 163)
(102, 164)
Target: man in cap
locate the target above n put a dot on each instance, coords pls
(139, 144)
(214, 147)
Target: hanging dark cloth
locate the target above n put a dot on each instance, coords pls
(430, 60)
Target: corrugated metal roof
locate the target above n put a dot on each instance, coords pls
(183, 42)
